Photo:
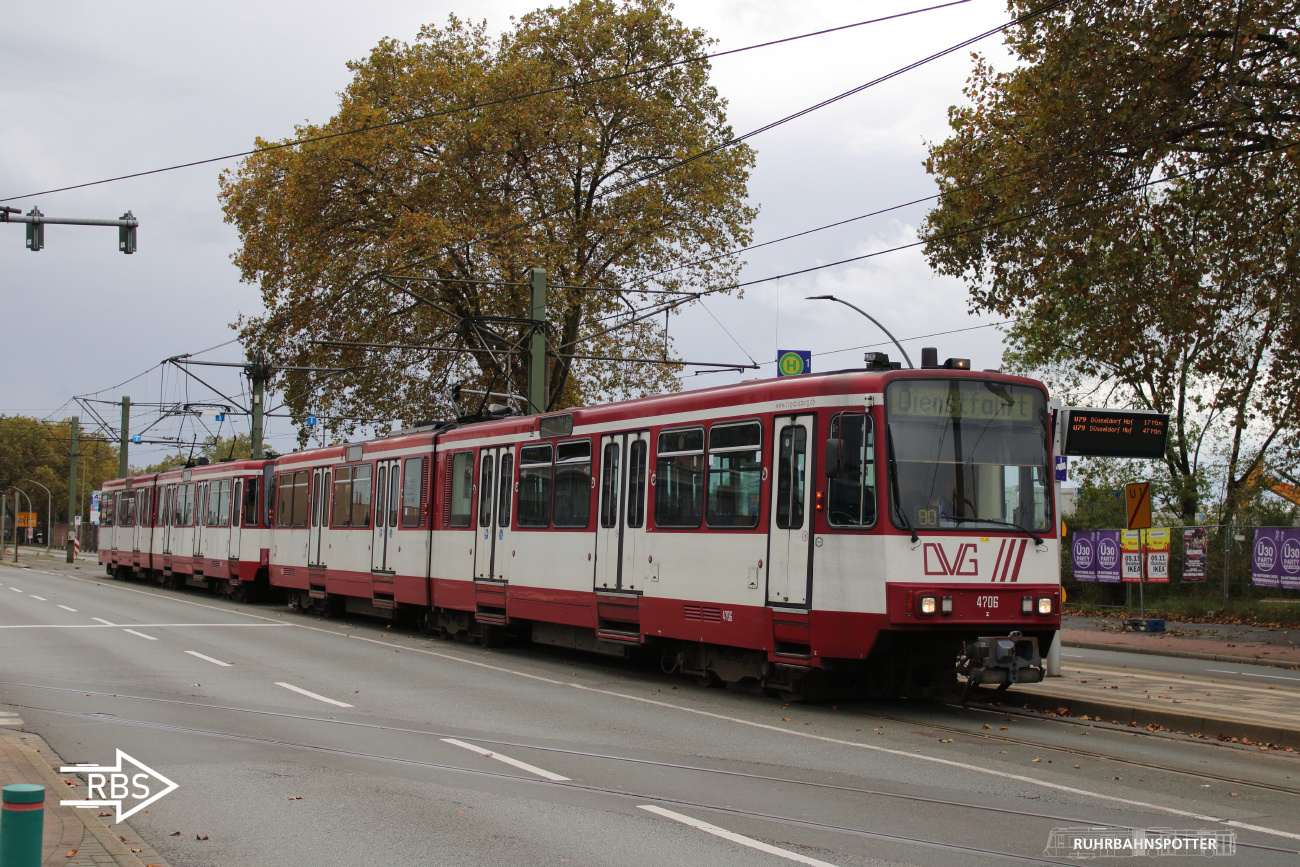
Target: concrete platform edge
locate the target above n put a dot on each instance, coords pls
(1182, 654)
(1040, 699)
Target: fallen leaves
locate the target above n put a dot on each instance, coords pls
(71, 854)
(174, 834)
(295, 797)
(200, 836)
(71, 783)
(945, 740)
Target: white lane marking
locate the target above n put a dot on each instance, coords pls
(103, 621)
(523, 766)
(15, 589)
(311, 694)
(1073, 655)
(208, 658)
(34, 596)
(141, 634)
(66, 608)
(1248, 674)
(734, 837)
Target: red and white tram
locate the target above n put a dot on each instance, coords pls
(884, 527)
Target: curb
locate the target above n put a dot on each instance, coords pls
(1136, 716)
(54, 784)
(1182, 654)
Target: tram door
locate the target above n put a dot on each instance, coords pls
(200, 518)
(320, 498)
(620, 524)
(385, 523)
(496, 475)
(165, 517)
(789, 545)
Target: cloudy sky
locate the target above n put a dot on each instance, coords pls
(99, 90)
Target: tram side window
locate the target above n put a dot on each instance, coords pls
(851, 498)
(507, 484)
(235, 501)
(341, 508)
(106, 511)
(301, 500)
(128, 510)
(637, 462)
(361, 495)
(679, 478)
(534, 509)
(461, 489)
(250, 502)
(412, 484)
(792, 466)
(284, 501)
(485, 489)
(735, 474)
(573, 484)
(609, 485)
(187, 513)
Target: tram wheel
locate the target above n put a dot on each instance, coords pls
(708, 680)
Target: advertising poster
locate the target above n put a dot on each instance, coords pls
(1131, 545)
(94, 507)
(1084, 555)
(1196, 548)
(1157, 545)
(1096, 556)
(1275, 558)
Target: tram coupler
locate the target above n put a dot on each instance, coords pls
(1001, 661)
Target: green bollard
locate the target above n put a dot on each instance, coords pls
(22, 823)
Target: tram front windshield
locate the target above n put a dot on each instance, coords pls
(968, 454)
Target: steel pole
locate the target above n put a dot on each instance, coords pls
(257, 372)
(22, 825)
(126, 438)
(75, 433)
(869, 316)
(537, 385)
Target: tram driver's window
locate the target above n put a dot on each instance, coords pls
(851, 500)
(679, 478)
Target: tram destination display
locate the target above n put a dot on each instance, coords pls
(1111, 433)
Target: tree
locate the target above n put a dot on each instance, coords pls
(31, 448)
(575, 179)
(1128, 193)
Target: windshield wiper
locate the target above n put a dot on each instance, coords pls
(893, 478)
(1030, 533)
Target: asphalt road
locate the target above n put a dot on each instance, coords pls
(301, 741)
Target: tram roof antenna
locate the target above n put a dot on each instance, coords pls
(869, 316)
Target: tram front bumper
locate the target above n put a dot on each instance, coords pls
(1002, 660)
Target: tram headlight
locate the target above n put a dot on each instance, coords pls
(1026, 605)
(927, 605)
(1044, 605)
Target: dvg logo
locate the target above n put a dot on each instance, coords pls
(115, 786)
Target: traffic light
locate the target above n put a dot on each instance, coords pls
(35, 231)
(126, 235)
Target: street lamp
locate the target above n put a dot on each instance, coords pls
(49, 512)
(30, 508)
(869, 316)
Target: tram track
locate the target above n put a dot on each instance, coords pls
(638, 796)
(983, 808)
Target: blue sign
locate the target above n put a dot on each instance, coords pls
(135, 439)
(792, 362)
(1062, 468)
(311, 421)
(221, 416)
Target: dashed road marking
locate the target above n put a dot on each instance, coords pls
(208, 658)
(733, 837)
(1248, 674)
(310, 694)
(15, 589)
(34, 596)
(141, 634)
(66, 608)
(523, 766)
(103, 621)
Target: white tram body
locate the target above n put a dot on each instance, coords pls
(872, 523)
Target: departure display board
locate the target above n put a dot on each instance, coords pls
(1113, 433)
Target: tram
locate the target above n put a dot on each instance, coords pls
(883, 529)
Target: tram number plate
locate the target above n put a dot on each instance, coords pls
(986, 601)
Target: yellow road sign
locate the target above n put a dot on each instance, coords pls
(1138, 501)
(26, 519)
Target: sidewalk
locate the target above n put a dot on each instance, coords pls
(73, 837)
